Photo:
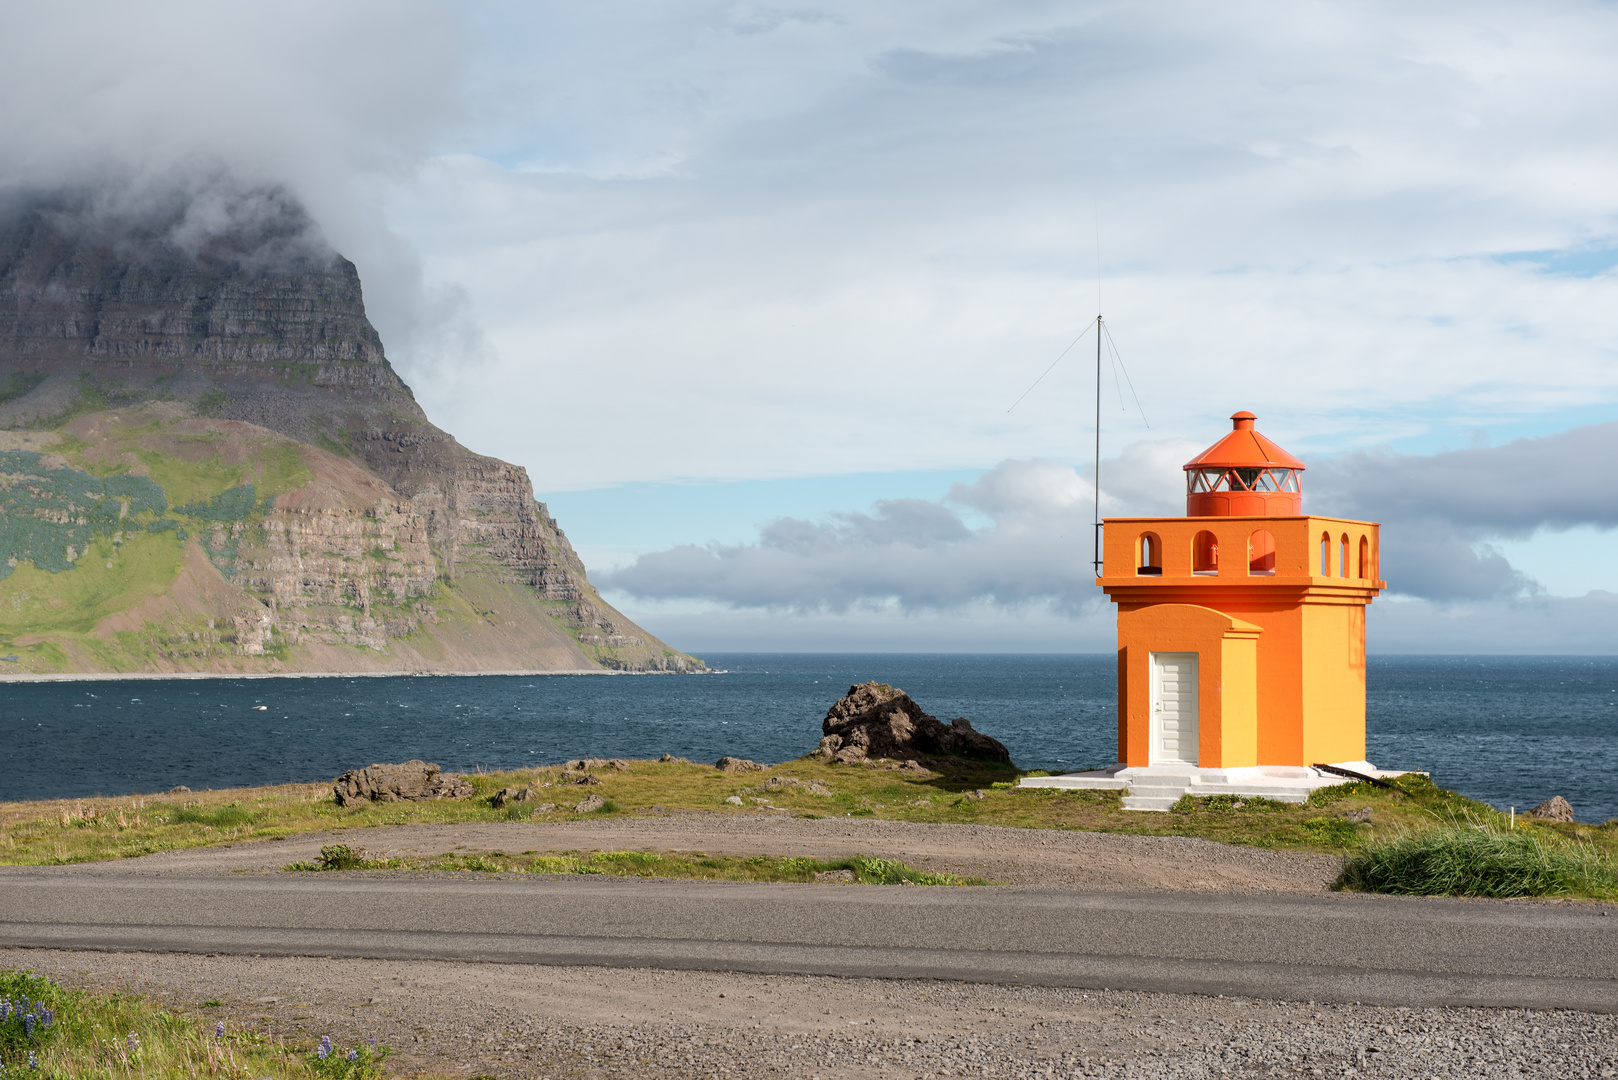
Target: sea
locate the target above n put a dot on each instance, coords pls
(1508, 730)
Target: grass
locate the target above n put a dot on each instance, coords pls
(117, 1036)
(684, 865)
(38, 601)
(84, 830)
(1475, 856)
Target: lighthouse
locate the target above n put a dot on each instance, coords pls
(1241, 636)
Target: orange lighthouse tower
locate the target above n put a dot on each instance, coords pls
(1241, 635)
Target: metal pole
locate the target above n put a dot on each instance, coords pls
(1096, 559)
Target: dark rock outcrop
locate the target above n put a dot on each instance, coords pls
(1554, 808)
(875, 720)
(410, 781)
(736, 764)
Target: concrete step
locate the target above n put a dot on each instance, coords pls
(1154, 794)
(1148, 802)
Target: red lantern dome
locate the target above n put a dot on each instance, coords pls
(1243, 475)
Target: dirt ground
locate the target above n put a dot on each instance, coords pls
(468, 1021)
(1077, 860)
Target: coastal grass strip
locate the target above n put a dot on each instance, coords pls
(58, 831)
(1480, 859)
(119, 1036)
(681, 865)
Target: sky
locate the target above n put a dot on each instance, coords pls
(751, 290)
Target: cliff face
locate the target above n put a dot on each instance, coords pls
(386, 543)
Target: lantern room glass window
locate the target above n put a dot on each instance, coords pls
(1198, 481)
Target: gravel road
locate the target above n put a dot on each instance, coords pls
(518, 1021)
(468, 1020)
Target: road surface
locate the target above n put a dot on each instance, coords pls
(1327, 947)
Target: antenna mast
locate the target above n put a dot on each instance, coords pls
(1096, 559)
(1096, 537)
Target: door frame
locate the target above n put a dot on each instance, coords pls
(1154, 755)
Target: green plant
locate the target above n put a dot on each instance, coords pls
(1473, 857)
(228, 816)
(1333, 831)
(28, 1022)
(869, 871)
(358, 1062)
(341, 857)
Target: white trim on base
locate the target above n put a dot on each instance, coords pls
(1158, 787)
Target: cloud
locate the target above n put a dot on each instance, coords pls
(1437, 514)
(910, 553)
(219, 107)
(787, 241)
(1438, 511)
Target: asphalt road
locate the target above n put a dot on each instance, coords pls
(1331, 947)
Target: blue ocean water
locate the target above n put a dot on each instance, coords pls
(1508, 730)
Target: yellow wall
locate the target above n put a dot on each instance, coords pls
(1304, 640)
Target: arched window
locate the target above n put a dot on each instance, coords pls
(1261, 553)
(1325, 554)
(1149, 555)
(1342, 558)
(1205, 553)
(1365, 559)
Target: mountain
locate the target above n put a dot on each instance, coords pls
(207, 464)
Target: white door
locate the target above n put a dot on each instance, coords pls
(1174, 708)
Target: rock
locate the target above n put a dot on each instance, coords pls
(179, 789)
(792, 783)
(978, 794)
(544, 808)
(733, 765)
(582, 764)
(410, 781)
(1360, 814)
(875, 720)
(835, 877)
(587, 778)
(733, 800)
(511, 795)
(1554, 808)
(671, 759)
(594, 802)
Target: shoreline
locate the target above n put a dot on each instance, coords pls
(147, 676)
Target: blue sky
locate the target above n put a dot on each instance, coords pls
(705, 267)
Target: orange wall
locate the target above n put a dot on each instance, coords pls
(1227, 681)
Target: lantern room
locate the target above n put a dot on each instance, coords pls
(1243, 475)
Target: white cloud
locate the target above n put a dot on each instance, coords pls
(1437, 513)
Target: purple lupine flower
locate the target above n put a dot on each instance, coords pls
(134, 1042)
(27, 1024)
(324, 1049)
(219, 1030)
(5, 1010)
(354, 1055)
(33, 1061)
(50, 1017)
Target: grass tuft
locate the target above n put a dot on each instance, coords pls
(116, 1036)
(682, 865)
(1475, 857)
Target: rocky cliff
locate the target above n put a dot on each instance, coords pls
(299, 511)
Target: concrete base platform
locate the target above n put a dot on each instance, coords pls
(1158, 787)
